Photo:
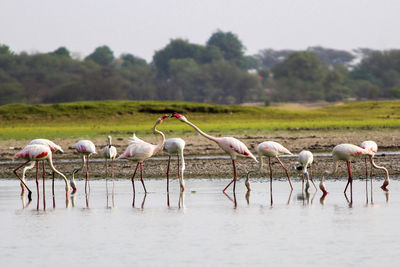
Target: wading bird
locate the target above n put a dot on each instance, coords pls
(53, 147)
(172, 146)
(270, 149)
(305, 159)
(372, 147)
(230, 145)
(109, 152)
(347, 152)
(140, 150)
(85, 148)
(38, 153)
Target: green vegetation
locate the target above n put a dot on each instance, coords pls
(122, 118)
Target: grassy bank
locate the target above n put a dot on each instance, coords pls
(121, 118)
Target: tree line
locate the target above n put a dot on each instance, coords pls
(217, 72)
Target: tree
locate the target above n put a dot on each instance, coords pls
(231, 47)
(102, 56)
(329, 56)
(62, 51)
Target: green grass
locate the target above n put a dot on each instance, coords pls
(122, 118)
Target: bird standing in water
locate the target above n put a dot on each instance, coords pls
(140, 150)
(172, 146)
(230, 145)
(86, 148)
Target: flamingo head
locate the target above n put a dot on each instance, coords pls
(179, 116)
(385, 184)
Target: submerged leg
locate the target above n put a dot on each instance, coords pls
(44, 190)
(141, 176)
(37, 183)
(169, 162)
(133, 178)
(234, 177)
(350, 181)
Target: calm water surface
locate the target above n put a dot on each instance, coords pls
(207, 230)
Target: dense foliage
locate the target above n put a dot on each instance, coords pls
(217, 72)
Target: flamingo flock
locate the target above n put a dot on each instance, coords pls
(40, 150)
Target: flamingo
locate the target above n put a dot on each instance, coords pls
(306, 158)
(373, 148)
(86, 148)
(36, 153)
(109, 152)
(230, 145)
(140, 150)
(270, 149)
(347, 152)
(323, 187)
(53, 147)
(172, 146)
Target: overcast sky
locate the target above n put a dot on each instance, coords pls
(143, 27)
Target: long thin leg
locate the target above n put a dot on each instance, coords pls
(23, 183)
(312, 180)
(30, 166)
(169, 161)
(179, 174)
(234, 178)
(112, 176)
(52, 190)
(141, 176)
(302, 181)
(133, 178)
(366, 178)
(350, 181)
(106, 163)
(270, 179)
(37, 184)
(44, 189)
(287, 173)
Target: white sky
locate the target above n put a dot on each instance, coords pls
(141, 27)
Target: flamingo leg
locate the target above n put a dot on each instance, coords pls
(169, 161)
(234, 178)
(302, 181)
(23, 174)
(179, 175)
(350, 181)
(44, 189)
(287, 173)
(37, 183)
(312, 180)
(141, 176)
(52, 190)
(366, 178)
(23, 182)
(133, 179)
(112, 176)
(270, 179)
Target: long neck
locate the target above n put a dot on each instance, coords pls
(215, 139)
(56, 171)
(379, 167)
(335, 167)
(161, 144)
(260, 165)
(182, 158)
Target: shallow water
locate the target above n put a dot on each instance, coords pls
(207, 230)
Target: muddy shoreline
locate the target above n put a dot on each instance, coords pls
(388, 141)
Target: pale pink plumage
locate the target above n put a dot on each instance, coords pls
(86, 148)
(53, 147)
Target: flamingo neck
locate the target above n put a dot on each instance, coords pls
(260, 165)
(212, 138)
(161, 144)
(371, 158)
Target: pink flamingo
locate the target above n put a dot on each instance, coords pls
(230, 145)
(38, 153)
(270, 149)
(172, 146)
(347, 152)
(109, 153)
(53, 147)
(372, 147)
(140, 150)
(86, 148)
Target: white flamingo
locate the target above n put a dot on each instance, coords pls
(306, 158)
(109, 153)
(347, 152)
(38, 153)
(270, 149)
(172, 146)
(86, 148)
(140, 150)
(372, 147)
(230, 145)
(53, 147)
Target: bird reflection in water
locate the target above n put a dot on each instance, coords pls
(181, 200)
(112, 194)
(143, 201)
(232, 199)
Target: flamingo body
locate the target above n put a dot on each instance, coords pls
(85, 147)
(53, 147)
(306, 158)
(109, 151)
(348, 152)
